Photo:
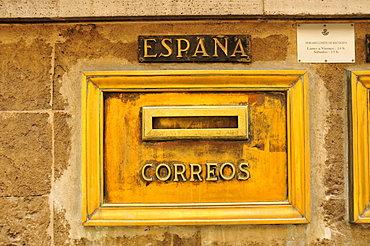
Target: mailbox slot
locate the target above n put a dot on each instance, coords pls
(195, 122)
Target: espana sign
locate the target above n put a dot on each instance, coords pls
(194, 48)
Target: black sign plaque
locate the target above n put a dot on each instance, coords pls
(195, 48)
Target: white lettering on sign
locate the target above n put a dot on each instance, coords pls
(326, 43)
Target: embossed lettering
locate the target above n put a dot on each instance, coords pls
(222, 47)
(211, 168)
(222, 172)
(195, 170)
(195, 48)
(179, 173)
(200, 48)
(239, 49)
(143, 170)
(167, 47)
(243, 170)
(147, 47)
(180, 49)
(157, 172)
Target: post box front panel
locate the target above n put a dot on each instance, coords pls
(195, 147)
(195, 170)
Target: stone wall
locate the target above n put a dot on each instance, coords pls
(62, 9)
(40, 136)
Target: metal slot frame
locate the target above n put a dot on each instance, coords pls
(148, 113)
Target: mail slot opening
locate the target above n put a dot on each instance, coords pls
(195, 122)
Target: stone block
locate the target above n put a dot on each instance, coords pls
(82, 42)
(62, 142)
(25, 81)
(25, 154)
(24, 221)
(303, 7)
(106, 8)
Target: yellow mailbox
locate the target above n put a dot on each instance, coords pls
(359, 119)
(195, 147)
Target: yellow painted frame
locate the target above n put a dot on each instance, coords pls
(292, 211)
(359, 119)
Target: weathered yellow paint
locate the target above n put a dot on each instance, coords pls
(359, 146)
(125, 152)
(114, 153)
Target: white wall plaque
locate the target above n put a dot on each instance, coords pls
(326, 43)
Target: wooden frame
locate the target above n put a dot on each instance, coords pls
(292, 211)
(359, 119)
